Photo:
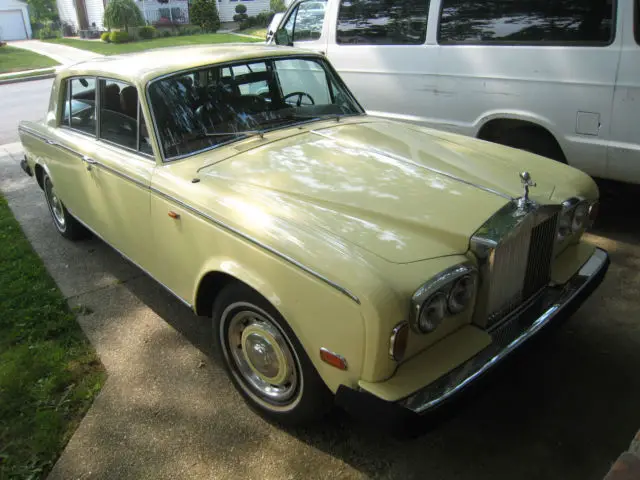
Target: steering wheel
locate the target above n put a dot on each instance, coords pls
(300, 96)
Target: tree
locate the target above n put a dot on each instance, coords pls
(41, 11)
(122, 14)
(205, 14)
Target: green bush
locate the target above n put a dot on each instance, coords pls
(119, 37)
(122, 14)
(48, 32)
(166, 33)
(183, 31)
(240, 17)
(240, 8)
(204, 14)
(147, 32)
(105, 37)
(261, 20)
(277, 6)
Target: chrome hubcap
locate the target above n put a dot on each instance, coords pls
(262, 357)
(54, 204)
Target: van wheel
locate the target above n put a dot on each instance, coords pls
(264, 359)
(533, 140)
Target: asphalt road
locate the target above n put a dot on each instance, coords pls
(22, 101)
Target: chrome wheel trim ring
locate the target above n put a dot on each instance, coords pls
(55, 205)
(260, 357)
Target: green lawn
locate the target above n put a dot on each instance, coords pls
(49, 373)
(257, 31)
(14, 59)
(112, 48)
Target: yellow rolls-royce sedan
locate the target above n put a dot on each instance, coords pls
(342, 258)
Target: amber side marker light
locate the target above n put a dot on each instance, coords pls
(333, 359)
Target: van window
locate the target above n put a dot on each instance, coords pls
(636, 23)
(527, 22)
(306, 22)
(382, 22)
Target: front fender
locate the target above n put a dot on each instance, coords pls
(320, 316)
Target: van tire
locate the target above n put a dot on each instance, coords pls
(534, 140)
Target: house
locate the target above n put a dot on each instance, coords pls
(81, 14)
(14, 20)
(227, 8)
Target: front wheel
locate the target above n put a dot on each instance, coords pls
(265, 360)
(64, 222)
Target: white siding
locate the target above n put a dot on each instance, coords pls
(227, 8)
(95, 12)
(67, 12)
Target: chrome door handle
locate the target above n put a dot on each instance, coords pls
(51, 142)
(89, 161)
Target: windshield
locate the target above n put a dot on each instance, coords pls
(207, 107)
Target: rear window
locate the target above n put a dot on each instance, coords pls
(576, 22)
(382, 22)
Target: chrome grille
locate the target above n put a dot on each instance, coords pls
(515, 250)
(540, 253)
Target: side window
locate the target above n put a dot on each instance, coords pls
(302, 82)
(80, 105)
(119, 113)
(145, 141)
(306, 22)
(382, 22)
(572, 22)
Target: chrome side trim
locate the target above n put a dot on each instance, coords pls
(256, 242)
(146, 272)
(511, 335)
(121, 175)
(399, 158)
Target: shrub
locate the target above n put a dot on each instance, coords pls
(122, 14)
(166, 33)
(240, 8)
(189, 31)
(119, 37)
(240, 17)
(277, 6)
(261, 20)
(105, 37)
(146, 32)
(48, 32)
(204, 14)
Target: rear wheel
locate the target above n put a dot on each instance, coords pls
(532, 140)
(64, 222)
(265, 360)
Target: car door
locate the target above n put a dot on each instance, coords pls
(75, 143)
(124, 164)
(305, 25)
(624, 149)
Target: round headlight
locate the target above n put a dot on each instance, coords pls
(461, 294)
(580, 217)
(564, 225)
(432, 312)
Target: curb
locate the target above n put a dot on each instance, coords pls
(27, 79)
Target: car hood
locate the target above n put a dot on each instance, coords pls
(400, 192)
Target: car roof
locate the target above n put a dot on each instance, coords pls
(141, 67)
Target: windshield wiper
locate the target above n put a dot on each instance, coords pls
(247, 133)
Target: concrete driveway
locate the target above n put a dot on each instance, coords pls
(62, 54)
(564, 409)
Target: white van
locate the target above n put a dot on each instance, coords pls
(560, 78)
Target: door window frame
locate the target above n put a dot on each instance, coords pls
(293, 10)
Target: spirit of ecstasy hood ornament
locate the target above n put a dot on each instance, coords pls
(525, 178)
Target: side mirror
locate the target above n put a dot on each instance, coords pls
(282, 38)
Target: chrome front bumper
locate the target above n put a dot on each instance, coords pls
(550, 306)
